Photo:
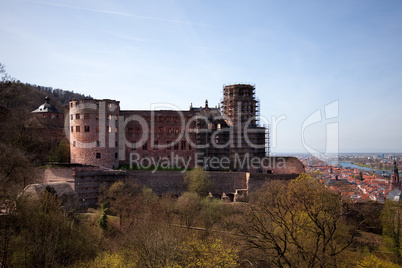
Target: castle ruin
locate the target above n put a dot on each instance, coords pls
(217, 138)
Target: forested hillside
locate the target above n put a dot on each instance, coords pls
(14, 94)
(19, 130)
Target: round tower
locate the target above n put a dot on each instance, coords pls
(94, 132)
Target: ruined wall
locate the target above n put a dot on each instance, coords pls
(285, 165)
(166, 139)
(171, 182)
(89, 179)
(161, 182)
(228, 182)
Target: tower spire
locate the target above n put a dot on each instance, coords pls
(395, 167)
(395, 178)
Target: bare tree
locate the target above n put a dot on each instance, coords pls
(297, 225)
(4, 76)
(189, 208)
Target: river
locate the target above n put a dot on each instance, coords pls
(346, 164)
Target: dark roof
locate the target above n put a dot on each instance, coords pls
(46, 107)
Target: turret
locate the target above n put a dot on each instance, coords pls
(94, 132)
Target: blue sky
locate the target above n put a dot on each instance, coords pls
(301, 55)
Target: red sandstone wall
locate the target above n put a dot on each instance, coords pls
(163, 127)
(286, 165)
(94, 130)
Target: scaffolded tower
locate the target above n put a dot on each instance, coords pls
(242, 109)
(239, 104)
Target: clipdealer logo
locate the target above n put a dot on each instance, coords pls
(331, 114)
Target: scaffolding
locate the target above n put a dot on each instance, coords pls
(267, 140)
(243, 108)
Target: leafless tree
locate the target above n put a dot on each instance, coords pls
(297, 225)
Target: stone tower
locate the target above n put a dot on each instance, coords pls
(395, 178)
(241, 107)
(94, 132)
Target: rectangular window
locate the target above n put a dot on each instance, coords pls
(109, 117)
(97, 117)
(116, 155)
(176, 146)
(74, 143)
(72, 129)
(72, 117)
(77, 129)
(145, 146)
(77, 116)
(98, 155)
(189, 145)
(169, 145)
(176, 130)
(86, 116)
(116, 144)
(97, 128)
(116, 117)
(155, 145)
(109, 129)
(71, 104)
(133, 145)
(97, 143)
(183, 145)
(115, 129)
(86, 128)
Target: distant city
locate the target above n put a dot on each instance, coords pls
(360, 176)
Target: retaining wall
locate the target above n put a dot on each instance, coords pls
(172, 182)
(57, 175)
(87, 180)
